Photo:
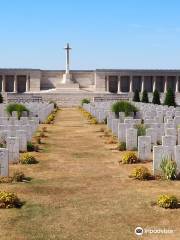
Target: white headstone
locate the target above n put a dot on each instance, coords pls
(170, 131)
(4, 163)
(22, 135)
(177, 157)
(121, 116)
(15, 114)
(13, 149)
(178, 132)
(169, 140)
(122, 132)
(144, 148)
(131, 139)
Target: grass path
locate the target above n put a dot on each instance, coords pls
(80, 192)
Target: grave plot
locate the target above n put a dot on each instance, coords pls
(17, 129)
(152, 130)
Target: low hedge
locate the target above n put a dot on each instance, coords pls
(123, 106)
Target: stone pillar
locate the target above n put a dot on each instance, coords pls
(165, 84)
(3, 83)
(15, 83)
(119, 84)
(142, 84)
(154, 83)
(177, 84)
(130, 84)
(27, 83)
(107, 84)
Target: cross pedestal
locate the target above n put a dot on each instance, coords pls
(67, 78)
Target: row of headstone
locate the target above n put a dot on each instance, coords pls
(15, 133)
(161, 122)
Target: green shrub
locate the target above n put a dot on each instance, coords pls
(141, 173)
(156, 97)
(145, 98)
(170, 98)
(50, 118)
(1, 98)
(9, 200)
(136, 97)
(122, 146)
(169, 168)
(2, 143)
(84, 100)
(141, 129)
(94, 121)
(18, 176)
(30, 146)
(167, 201)
(19, 108)
(88, 115)
(129, 158)
(27, 158)
(123, 106)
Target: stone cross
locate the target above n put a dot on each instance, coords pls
(67, 48)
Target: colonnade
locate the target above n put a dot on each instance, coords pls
(15, 83)
(142, 80)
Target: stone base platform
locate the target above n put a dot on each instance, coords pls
(68, 86)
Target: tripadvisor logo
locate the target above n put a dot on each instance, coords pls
(139, 231)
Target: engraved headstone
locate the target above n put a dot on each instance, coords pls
(131, 139)
(13, 149)
(169, 140)
(21, 134)
(4, 163)
(144, 147)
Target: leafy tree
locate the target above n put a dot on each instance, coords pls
(156, 97)
(170, 98)
(136, 97)
(145, 98)
(1, 98)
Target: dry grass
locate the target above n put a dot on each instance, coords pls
(79, 191)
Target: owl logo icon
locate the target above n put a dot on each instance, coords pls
(139, 231)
